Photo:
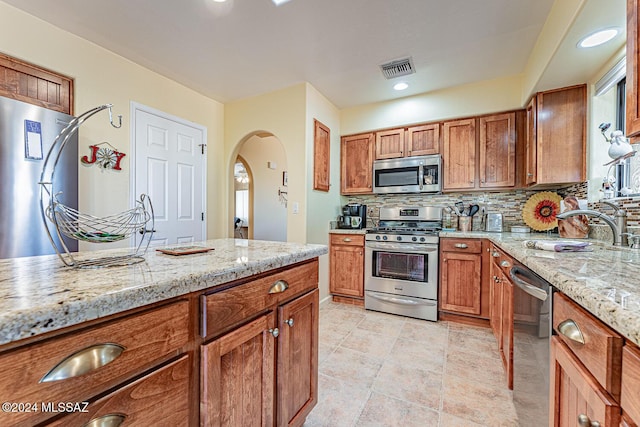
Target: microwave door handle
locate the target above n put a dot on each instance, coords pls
(421, 175)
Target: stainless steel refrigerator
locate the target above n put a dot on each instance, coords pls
(26, 134)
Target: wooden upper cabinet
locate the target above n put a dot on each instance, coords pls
(420, 140)
(497, 150)
(390, 144)
(560, 136)
(423, 140)
(30, 83)
(356, 164)
(321, 156)
(633, 77)
(459, 154)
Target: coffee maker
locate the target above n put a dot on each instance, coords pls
(354, 215)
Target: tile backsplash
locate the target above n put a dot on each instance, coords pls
(509, 203)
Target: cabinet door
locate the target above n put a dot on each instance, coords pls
(297, 359)
(237, 376)
(390, 144)
(576, 397)
(346, 275)
(498, 150)
(459, 157)
(495, 312)
(356, 164)
(561, 136)
(423, 140)
(530, 156)
(460, 282)
(506, 349)
(633, 75)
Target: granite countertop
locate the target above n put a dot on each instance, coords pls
(39, 294)
(606, 282)
(348, 231)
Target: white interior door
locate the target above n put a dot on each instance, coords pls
(170, 161)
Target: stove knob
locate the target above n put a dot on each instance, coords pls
(422, 239)
(399, 238)
(384, 237)
(377, 237)
(414, 238)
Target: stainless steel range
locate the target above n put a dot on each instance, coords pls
(401, 262)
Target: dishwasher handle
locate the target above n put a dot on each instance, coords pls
(532, 290)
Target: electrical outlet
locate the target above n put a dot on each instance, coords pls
(295, 207)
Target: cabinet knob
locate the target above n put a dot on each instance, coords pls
(275, 332)
(109, 420)
(495, 254)
(289, 322)
(83, 362)
(529, 174)
(584, 421)
(570, 330)
(461, 245)
(505, 264)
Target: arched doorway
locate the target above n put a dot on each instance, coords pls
(260, 159)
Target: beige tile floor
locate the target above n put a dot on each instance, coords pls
(377, 369)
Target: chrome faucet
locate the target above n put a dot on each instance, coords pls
(617, 222)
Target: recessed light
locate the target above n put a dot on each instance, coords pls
(219, 1)
(279, 2)
(598, 38)
(400, 86)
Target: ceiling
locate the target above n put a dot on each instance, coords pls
(241, 48)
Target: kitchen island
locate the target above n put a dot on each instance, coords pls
(157, 342)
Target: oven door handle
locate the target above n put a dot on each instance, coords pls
(402, 247)
(532, 290)
(400, 300)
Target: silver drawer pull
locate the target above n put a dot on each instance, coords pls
(110, 420)
(289, 322)
(83, 362)
(505, 263)
(584, 421)
(571, 331)
(279, 286)
(461, 245)
(495, 254)
(346, 239)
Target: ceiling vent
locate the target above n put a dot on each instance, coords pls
(398, 68)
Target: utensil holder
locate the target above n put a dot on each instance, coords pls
(464, 223)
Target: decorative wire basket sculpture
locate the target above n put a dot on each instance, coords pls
(72, 223)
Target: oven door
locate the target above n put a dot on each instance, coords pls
(402, 269)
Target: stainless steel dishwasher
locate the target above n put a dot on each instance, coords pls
(532, 298)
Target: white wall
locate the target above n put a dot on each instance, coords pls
(103, 77)
(322, 207)
(467, 100)
(269, 216)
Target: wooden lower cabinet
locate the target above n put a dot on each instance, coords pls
(630, 394)
(346, 264)
(245, 381)
(576, 396)
(463, 288)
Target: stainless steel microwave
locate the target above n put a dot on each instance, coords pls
(419, 174)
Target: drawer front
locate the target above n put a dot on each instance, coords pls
(473, 246)
(146, 337)
(160, 398)
(601, 352)
(233, 306)
(630, 395)
(347, 239)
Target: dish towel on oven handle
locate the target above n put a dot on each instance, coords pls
(557, 246)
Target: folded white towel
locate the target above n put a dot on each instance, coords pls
(557, 246)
